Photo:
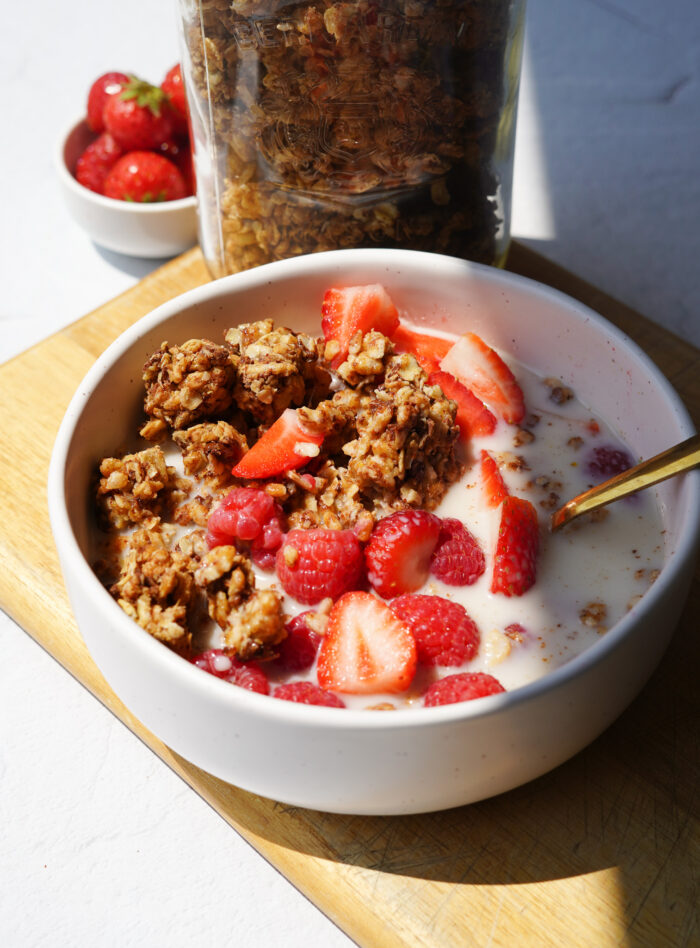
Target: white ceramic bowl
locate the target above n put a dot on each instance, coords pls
(139, 230)
(406, 760)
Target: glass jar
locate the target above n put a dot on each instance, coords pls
(319, 125)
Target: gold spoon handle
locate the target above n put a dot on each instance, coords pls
(682, 457)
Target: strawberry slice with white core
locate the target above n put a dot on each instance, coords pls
(480, 368)
(517, 547)
(428, 351)
(366, 648)
(473, 418)
(494, 487)
(350, 309)
(285, 446)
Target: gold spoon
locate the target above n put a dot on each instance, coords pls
(682, 457)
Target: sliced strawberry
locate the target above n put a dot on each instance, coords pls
(481, 369)
(495, 490)
(356, 308)
(473, 417)
(284, 446)
(399, 550)
(429, 351)
(366, 648)
(515, 560)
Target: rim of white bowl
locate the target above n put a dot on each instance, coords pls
(132, 207)
(314, 716)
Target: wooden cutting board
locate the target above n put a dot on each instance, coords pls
(604, 851)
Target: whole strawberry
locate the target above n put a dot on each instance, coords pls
(96, 162)
(139, 116)
(173, 86)
(102, 89)
(144, 177)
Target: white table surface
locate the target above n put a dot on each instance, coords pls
(100, 843)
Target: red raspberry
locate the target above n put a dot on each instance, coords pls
(399, 550)
(249, 515)
(464, 686)
(606, 461)
(445, 634)
(298, 651)
(458, 559)
(247, 675)
(314, 564)
(306, 692)
(96, 162)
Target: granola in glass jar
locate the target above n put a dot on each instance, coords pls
(321, 125)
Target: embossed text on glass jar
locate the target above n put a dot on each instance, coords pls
(320, 125)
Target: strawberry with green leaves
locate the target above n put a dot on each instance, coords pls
(139, 117)
(173, 87)
(97, 161)
(144, 177)
(102, 89)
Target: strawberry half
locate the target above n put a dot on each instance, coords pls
(429, 351)
(515, 560)
(356, 308)
(473, 417)
(480, 368)
(495, 490)
(284, 446)
(366, 648)
(398, 551)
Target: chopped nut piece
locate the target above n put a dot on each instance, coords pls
(593, 614)
(522, 436)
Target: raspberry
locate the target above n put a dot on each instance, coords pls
(298, 651)
(458, 559)
(315, 564)
(244, 674)
(606, 461)
(464, 686)
(445, 634)
(399, 550)
(306, 692)
(249, 515)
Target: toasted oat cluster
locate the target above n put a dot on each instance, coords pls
(387, 441)
(347, 124)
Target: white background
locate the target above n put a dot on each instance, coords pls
(100, 843)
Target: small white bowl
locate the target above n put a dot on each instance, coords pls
(403, 761)
(139, 230)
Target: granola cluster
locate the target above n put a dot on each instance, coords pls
(389, 443)
(348, 124)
